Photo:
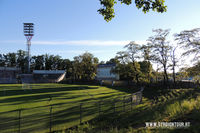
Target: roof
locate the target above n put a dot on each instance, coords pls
(48, 71)
(10, 68)
(106, 65)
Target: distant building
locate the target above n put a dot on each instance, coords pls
(104, 72)
(9, 74)
(48, 76)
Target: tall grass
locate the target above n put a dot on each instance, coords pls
(176, 105)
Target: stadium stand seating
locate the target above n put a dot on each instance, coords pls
(48, 76)
(8, 75)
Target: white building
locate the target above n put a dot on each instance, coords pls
(104, 72)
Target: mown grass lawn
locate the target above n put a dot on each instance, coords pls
(159, 105)
(63, 101)
(34, 103)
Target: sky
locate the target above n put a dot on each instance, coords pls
(71, 27)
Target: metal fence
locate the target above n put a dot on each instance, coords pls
(62, 116)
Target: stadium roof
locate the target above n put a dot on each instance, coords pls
(10, 68)
(106, 65)
(48, 71)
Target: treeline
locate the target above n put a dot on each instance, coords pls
(83, 67)
(134, 63)
(164, 53)
(40, 62)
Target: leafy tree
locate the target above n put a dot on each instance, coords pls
(48, 62)
(2, 60)
(146, 70)
(112, 61)
(122, 57)
(22, 60)
(67, 65)
(84, 66)
(190, 41)
(37, 62)
(194, 70)
(11, 59)
(147, 58)
(133, 53)
(107, 11)
(174, 61)
(128, 67)
(160, 50)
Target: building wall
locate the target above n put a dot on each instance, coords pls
(105, 73)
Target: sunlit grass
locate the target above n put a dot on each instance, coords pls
(34, 103)
(171, 105)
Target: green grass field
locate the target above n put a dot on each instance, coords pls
(35, 102)
(159, 105)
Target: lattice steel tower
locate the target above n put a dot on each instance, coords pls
(28, 32)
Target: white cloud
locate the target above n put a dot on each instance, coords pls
(13, 41)
(77, 51)
(82, 42)
(77, 42)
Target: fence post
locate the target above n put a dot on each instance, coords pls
(4, 91)
(99, 102)
(50, 120)
(136, 96)
(114, 106)
(124, 103)
(19, 121)
(131, 102)
(141, 97)
(80, 113)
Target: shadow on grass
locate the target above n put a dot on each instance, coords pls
(11, 92)
(137, 118)
(126, 89)
(38, 93)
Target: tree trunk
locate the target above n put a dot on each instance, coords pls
(136, 75)
(174, 77)
(165, 73)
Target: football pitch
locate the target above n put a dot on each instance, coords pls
(51, 107)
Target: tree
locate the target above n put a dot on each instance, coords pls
(37, 62)
(122, 57)
(85, 66)
(11, 59)
(147, 57)
(194, 70)
(2, 60)
(48, 62)
(22, 60)
(160, 49)
(131, 54)
(146, 70)
(190, 41)
(67, 65)
(174, 61)
(107, 11)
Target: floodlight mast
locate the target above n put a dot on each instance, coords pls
(28, 33)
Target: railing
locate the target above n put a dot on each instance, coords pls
(62, 116)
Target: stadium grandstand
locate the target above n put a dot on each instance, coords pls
(8, 75)
(43, 76)
(48, 76)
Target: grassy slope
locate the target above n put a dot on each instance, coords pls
(35, 103)
(158, 106)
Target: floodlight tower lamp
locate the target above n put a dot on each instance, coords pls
(28, 33)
